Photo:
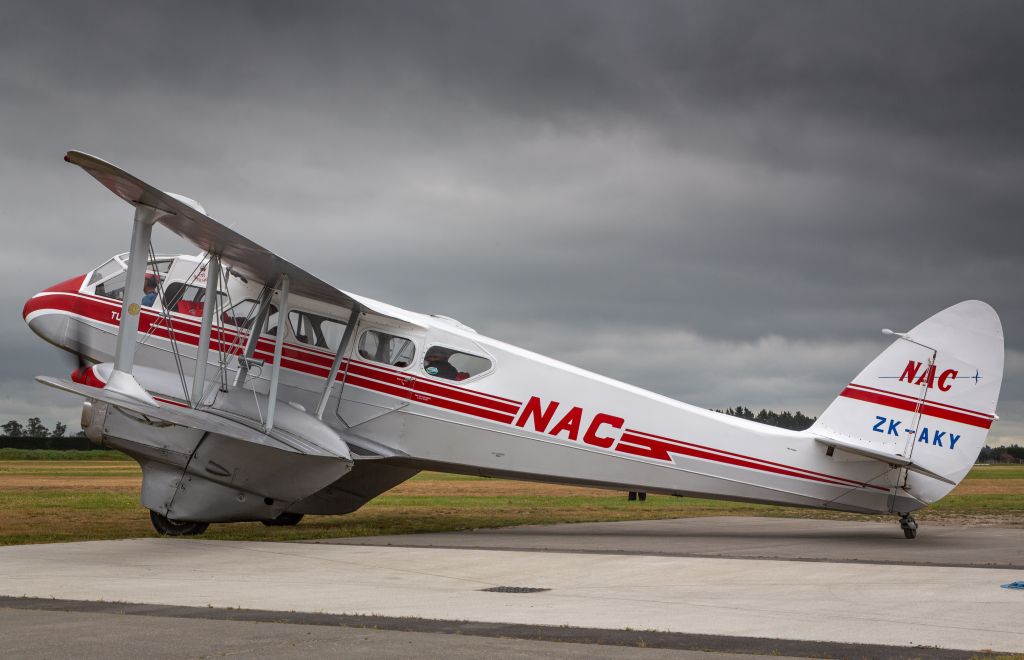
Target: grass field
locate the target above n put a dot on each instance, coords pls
(52, 500)
(8, 454)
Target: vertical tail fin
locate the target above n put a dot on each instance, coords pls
(930, 398)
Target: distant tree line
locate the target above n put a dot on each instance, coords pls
(798, 422)
(35, 435)
(34, 429)
(793, 421)
(1011, 454)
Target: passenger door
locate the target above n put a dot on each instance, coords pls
(378, 377)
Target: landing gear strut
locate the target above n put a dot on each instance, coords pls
(909, 525)
(167, 527)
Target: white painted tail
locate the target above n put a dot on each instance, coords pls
(927, 400)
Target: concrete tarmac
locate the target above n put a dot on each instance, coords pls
(744, 538)
(606, 579)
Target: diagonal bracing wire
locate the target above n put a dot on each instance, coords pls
(165, 314)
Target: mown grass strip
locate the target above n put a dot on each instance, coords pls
(67, 505)
(9, 454)
(996, 472)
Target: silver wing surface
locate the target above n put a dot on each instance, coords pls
(247, 258)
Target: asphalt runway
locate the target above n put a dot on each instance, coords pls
(72, 634)
(728, 585)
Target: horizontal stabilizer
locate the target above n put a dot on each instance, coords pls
(886, 457)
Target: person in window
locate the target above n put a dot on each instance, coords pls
(436, 363)
(149, 291)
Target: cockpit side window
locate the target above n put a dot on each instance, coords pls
(159, 267)
(187, 299)
(389, 349)
(243, 314)
(450, 364)
(316, 330)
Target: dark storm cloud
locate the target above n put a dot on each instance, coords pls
(710, 178)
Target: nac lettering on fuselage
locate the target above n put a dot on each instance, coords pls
(888, 426)
(599, 432)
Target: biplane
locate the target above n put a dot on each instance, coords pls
(250, 390)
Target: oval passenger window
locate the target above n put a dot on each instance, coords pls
(451, 364)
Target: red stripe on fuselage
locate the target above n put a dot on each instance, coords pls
(659, 447)
(296, 358)
(403, 385)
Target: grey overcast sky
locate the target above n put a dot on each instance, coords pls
(720, 201)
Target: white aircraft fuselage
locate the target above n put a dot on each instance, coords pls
(414, 391)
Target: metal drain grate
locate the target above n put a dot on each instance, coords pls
(516, 590)
(1019, 584)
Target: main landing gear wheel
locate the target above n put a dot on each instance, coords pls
(167, 527)
(286, 519)
(909, 525)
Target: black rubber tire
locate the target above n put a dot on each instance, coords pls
(909, 533)
(286, 519)
(167, 527)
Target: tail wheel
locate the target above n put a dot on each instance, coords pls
(909, 525)
(167, 527)
(286, 519)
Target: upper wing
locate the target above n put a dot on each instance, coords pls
(245, 257)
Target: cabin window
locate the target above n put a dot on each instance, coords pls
(448, 363)
(186, 299)
(271, 326)
(243, 314)
(389, 349)
(316, 330)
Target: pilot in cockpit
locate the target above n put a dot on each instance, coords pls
(149, 291)
(436, 363)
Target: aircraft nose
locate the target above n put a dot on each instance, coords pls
(46, 313)
(48, 324)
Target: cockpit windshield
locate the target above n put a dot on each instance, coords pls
(109, 279)
(112, 267)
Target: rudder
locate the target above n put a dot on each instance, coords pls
(930, 397)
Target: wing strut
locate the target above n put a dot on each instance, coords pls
(275, 375)
(203, 352)
(346, 339)
(121, 380)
